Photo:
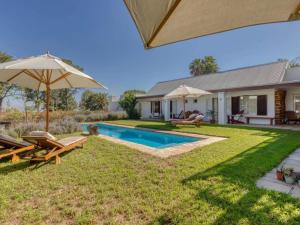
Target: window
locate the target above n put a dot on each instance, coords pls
(252, 105)
(297, 104)
(235, 105)
(195, 100)
(155, 107)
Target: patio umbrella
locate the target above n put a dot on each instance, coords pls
(184, 92)
(166, 21)
(43, 73)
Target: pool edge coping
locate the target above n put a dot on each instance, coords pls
(169, 151)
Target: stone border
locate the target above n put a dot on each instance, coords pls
(169, 151)
(270, 182)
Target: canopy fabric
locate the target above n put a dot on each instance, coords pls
(184, 91)
(166, 21)
(45, 73)
(37, 72)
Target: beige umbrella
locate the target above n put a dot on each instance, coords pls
(43, 73)
(166, 21)
(184, 92)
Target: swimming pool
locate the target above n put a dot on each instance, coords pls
(152, 139)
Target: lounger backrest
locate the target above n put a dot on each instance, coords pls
(42, 142)
(8, 141)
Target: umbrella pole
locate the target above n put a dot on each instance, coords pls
(47, 106)
(183, 107)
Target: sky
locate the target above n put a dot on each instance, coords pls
(100, 36)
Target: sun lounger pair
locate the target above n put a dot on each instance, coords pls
(193, 119)
(39, 140)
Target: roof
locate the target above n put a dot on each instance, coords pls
(247, 77)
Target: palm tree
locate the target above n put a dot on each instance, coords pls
(203, 66)
(196, 67)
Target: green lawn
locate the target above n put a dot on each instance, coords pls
(107, 183)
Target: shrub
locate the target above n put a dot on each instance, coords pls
(68, 125)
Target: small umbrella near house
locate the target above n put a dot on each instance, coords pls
(184, 92)
(43, 73)
(166, 21)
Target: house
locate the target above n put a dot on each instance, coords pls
(264, 92)
(113, 104)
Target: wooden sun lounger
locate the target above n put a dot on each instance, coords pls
(13, 148)
(197, 123)
(54, 147)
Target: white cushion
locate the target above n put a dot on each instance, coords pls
(42, 134)
(199, 117)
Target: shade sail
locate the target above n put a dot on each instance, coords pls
(184, 91)
(166, 21)
(36, 72)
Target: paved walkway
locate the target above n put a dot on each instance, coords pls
(270, 182)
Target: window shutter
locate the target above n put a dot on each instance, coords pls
(235, 105)
(262, 105)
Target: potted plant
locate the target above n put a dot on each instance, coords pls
(280, 173)
(289, 175)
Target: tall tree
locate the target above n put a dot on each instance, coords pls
(91, 101)
(63, 99)
(6, 90)
(128, 103)
(203, 66)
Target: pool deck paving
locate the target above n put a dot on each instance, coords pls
(270, 182)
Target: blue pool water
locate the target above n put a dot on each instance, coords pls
(148, 138)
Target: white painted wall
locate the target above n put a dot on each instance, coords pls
(271, 102)
(222, 106)
(204, 103)
(290, 94)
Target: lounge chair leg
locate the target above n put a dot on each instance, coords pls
(57, 160)
(15, 158)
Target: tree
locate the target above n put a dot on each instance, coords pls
(64, 99)
(203, 66)
(128, 103)
(6, 90)
(91, 101)
(34, 96)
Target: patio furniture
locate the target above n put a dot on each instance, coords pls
(13, 148)
(291, 117)
(184, 92)
(6, 124)
(197, 121)
(271, 119)
(178, 116)
(54, 147)
(237, 118)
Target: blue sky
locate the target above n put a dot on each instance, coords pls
(100, 36)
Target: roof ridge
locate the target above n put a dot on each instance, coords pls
(226, 71)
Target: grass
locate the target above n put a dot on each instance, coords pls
(107, 183)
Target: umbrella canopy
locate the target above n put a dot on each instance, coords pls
(162, 22)
(43, 73)
(184, 92)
